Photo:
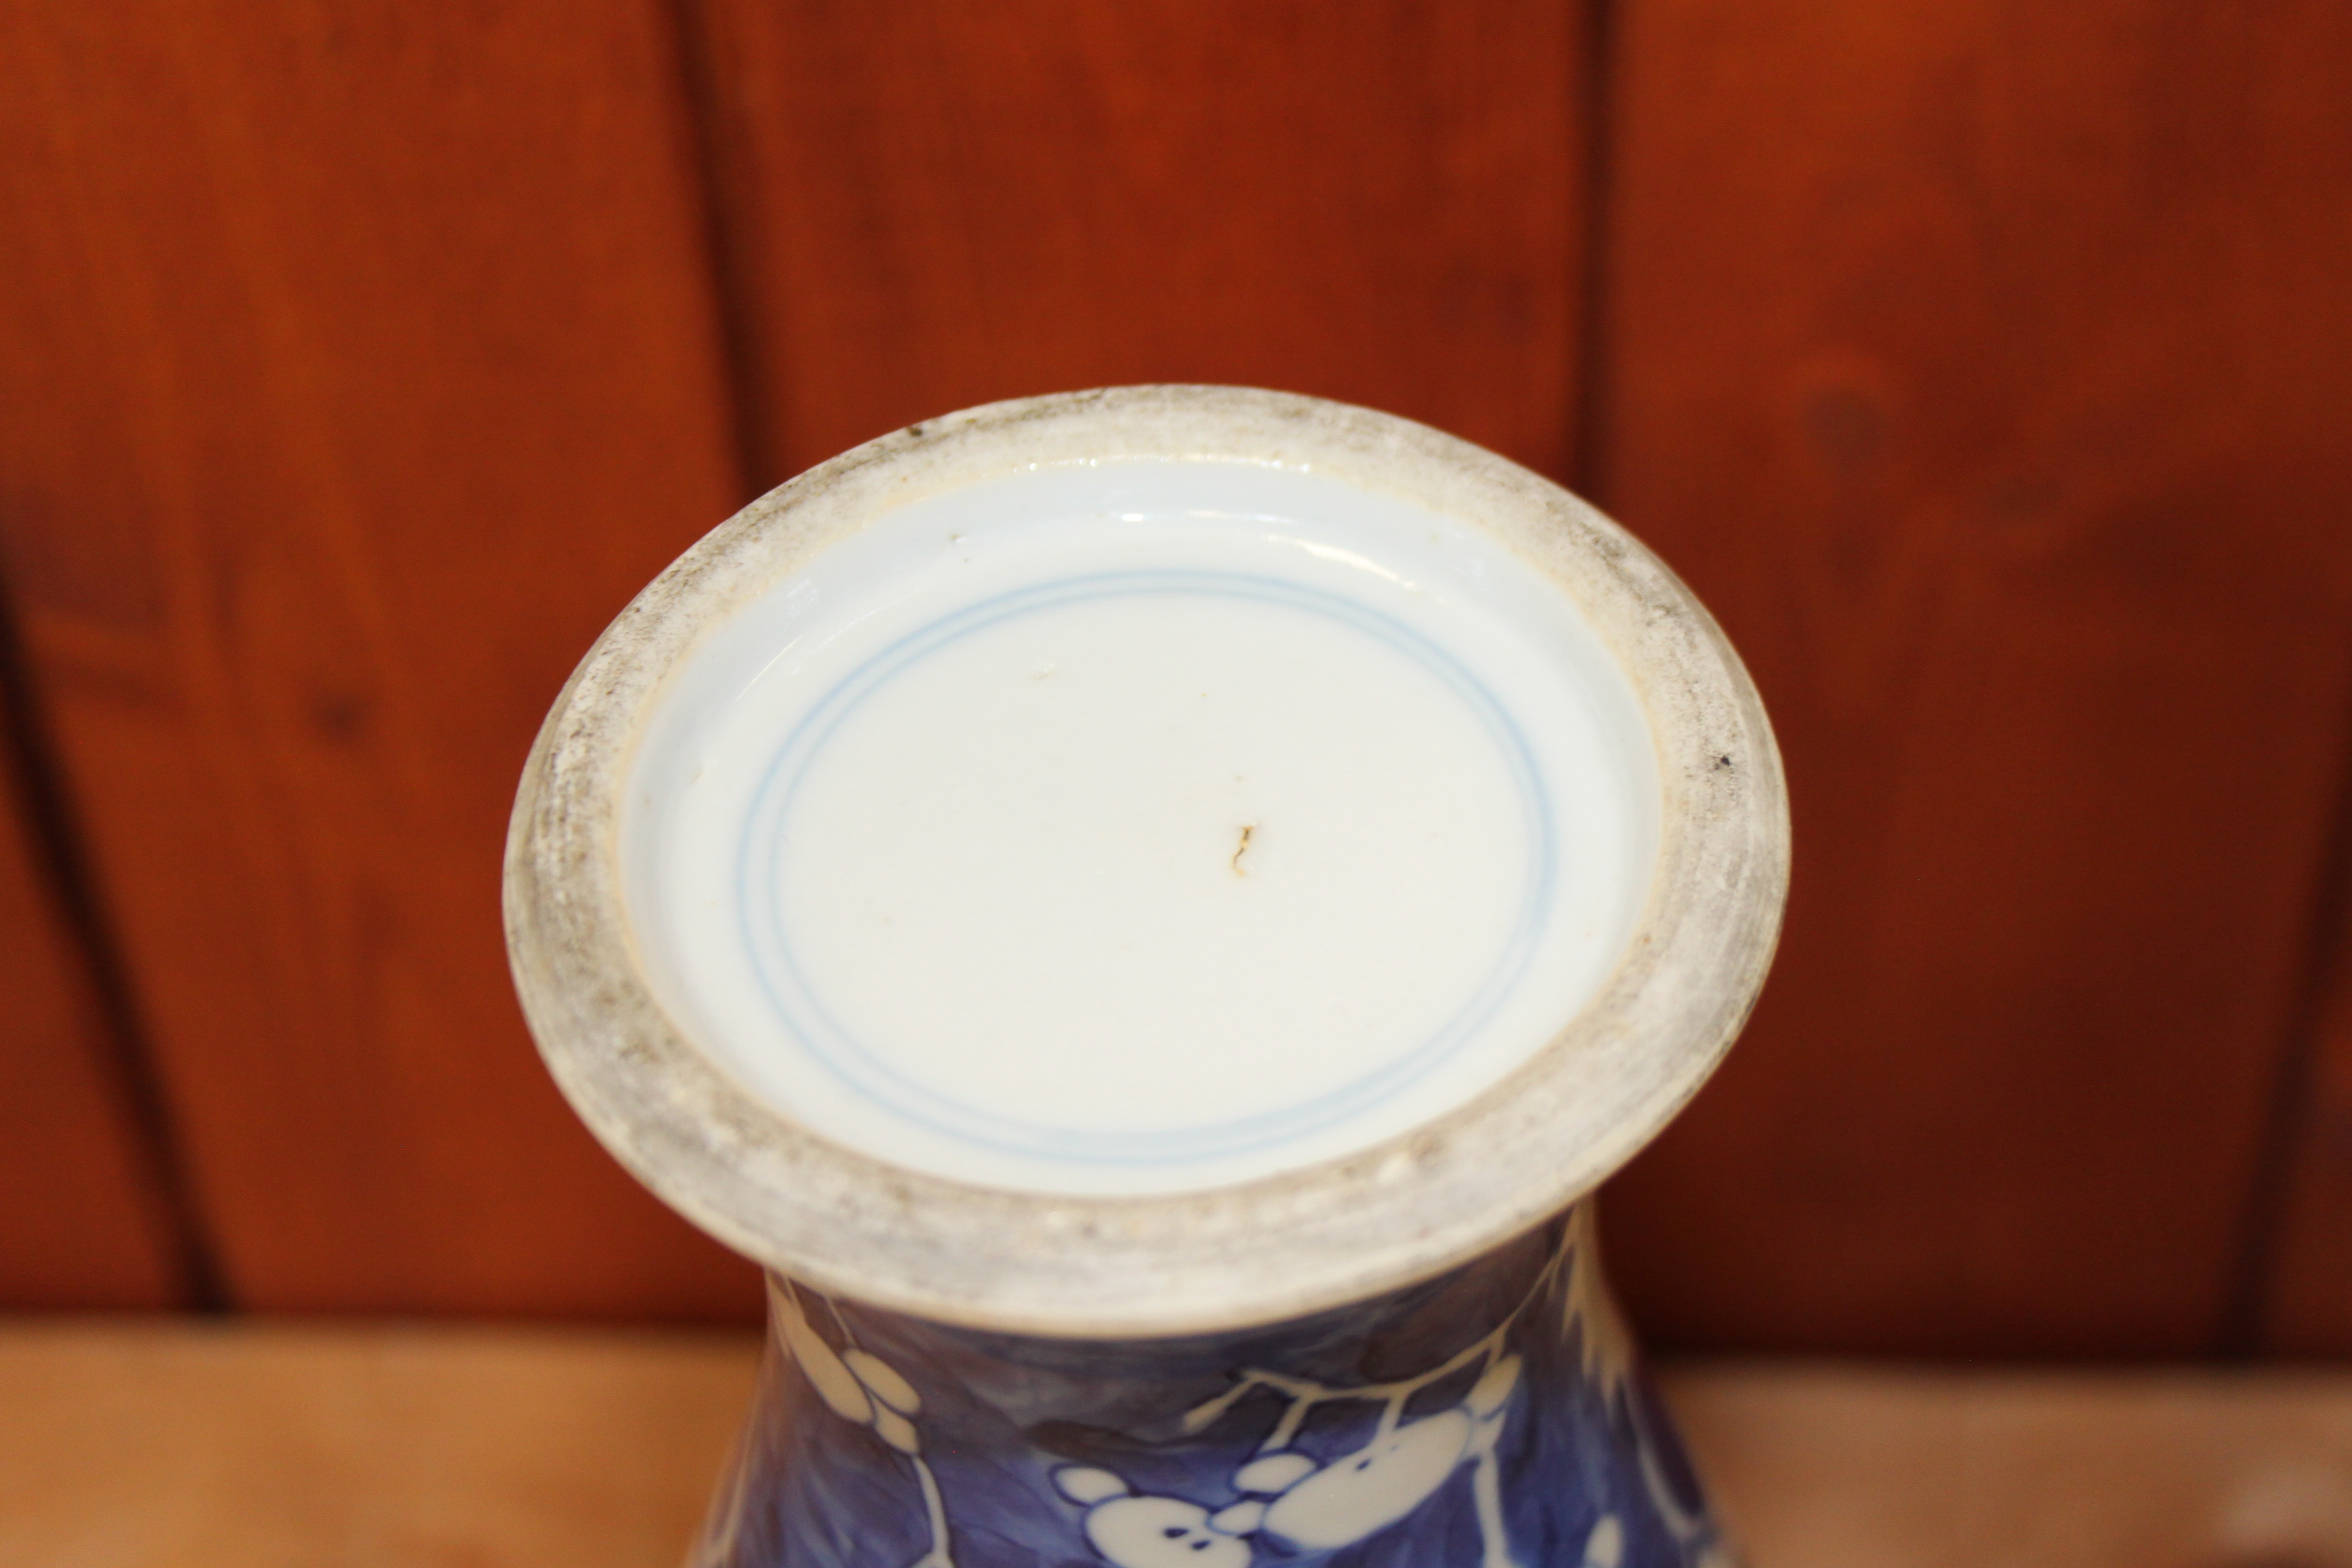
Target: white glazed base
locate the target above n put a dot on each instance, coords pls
(1139, 827)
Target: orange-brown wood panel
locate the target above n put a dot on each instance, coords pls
(361, 360)
(1985, 366)
(84, 1222)
(935, 205)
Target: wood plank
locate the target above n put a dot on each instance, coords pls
(936, 205)
(361, 362)
(368, 1448)
(1984, 366)
(85, 1223)
(275, 1448)
(1831, 1465)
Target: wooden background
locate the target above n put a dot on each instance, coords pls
(1986, 366)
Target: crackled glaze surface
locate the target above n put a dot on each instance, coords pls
(1492, 1418)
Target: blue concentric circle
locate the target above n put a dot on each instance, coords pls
(799, 1008)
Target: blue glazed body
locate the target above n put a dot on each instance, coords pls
(1491, 1418)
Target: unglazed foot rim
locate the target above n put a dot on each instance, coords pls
(1192, 1262)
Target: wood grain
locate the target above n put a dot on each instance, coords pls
(277, 1448)
(364, 1448)
(1984, 367)
(1832, 1465)
(361, 361)
(934, 206)
(84, 1223)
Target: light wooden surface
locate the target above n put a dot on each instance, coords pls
(141, 1447)
(1824, 1467)
(174, 1448)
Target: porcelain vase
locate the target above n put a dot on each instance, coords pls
(1402, 1355)
(1494, 1417)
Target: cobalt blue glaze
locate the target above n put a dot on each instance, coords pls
(1491, 1418)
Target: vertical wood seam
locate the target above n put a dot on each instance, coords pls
(753, 403)
(129, 1071)
(2247, 1307)
(1588, 439)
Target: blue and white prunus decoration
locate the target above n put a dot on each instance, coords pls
(1494, 1417)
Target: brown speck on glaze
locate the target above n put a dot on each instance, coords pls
(1242, 848)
